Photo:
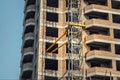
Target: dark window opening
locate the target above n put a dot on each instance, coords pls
(50, 31)
(99, 78)
(100, 46)
(117, 49)
(115, 4)
(75, 64)
(52, 16)
(100, 63)
(50, 78)
(98, 2)
(52, 3)
(30, 15)
(116, 33)
(31, 2)
(116, 18)
(68, 17)
(35, 72)
(28, 43)
(51, 64)
(68, 3)
(27, 75)
(54, 47)
(118, 78)
(67, 48)
(98, 30)
(29, 29)
(28, 58)
(97, 15)
(73, 78)
(118, 65)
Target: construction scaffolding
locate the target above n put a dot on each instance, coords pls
(75, 57)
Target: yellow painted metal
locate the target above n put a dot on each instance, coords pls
(76, 24)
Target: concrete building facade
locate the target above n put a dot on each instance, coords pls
(46, 20)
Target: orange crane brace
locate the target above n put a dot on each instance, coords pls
(58, 47)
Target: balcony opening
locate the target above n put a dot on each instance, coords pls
(96, 77)
(31, 2)
(28, 43)
(50, 78)
(116, 18)
(51, 64)
(118, 65)
(75, 64)
(96, 62)
(52, 16)
(97, 15)
(100, 46)
(117, 49)
(98, 2)
(30, 15)
(98, 30)
(115, 4)
(52, 3)
(50, 31)
(29, 29)
(28, 59)
(54, 47)
(27, 75)
(117, 33)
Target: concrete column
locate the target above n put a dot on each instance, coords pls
(115, 78)
(113, 61)
(114, 65)
(109, 3)
(111, 32)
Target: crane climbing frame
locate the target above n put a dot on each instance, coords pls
(74, 41)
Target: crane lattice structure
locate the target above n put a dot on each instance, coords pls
(74, 42)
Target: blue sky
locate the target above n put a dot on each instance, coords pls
(11, 18)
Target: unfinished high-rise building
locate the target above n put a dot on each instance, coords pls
(71, 40)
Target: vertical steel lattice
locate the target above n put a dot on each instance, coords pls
(74, 41)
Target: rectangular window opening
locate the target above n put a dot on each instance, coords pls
(117, 49)
(52, 3)
(116, 18)
(100, 46)
(52, 16)
(51, 64)
(97, 15)
(118, 65)
(116, 33)
(75, 64)
(50, 31)
(54, 47)
(115, 4)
